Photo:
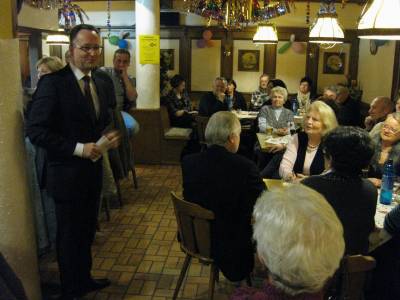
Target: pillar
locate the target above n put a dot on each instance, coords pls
(17, 242)
(147, 76)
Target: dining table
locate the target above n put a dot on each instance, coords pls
(266, 140)
(377, 237)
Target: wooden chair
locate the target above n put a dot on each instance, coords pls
(201, 123)
(352, 276)
(194, 226)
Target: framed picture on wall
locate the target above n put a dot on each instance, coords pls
(249, 60)
(167, 58)
(334, 62)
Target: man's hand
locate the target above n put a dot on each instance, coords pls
(221, 96)
(91, 151)
(368, 122)
(376, 182)
(114, 137)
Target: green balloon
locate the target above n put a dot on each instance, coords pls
(284, 47)
(113, 40)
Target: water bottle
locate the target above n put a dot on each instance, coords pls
(295, 107)
(387, 183)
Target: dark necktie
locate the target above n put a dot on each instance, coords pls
(88, 95)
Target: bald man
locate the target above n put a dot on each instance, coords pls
(379, 109)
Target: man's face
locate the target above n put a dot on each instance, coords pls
(329, 95)
(121, 61)
(85, 50)
(219, 87)
(377, 109)
(264, 82)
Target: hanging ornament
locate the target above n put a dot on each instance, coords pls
(109, 17)
(308, 12)
(70, 12)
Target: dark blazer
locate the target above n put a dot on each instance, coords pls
(209, 105)
(229, 185)
(354, 201)
(59, 116)
(238, 101)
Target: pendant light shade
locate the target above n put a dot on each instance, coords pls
(381, 21)
(266, 34)
(57, 39)
(326, 28)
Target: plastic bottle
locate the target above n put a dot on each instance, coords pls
(387, 183)
(295, 107)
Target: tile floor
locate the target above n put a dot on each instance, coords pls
(137, 249)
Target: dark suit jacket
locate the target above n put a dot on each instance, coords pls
(209, 105)
(229, 185)
(59, 117)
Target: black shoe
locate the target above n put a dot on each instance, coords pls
(94, 285)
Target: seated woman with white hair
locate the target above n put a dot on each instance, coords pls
(300, 242)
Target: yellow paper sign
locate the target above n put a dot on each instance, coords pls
(149, 49)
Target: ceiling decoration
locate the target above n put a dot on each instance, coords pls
(326, 28)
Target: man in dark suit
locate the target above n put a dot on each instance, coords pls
(228, 184)
(214, 101)
(68, 114)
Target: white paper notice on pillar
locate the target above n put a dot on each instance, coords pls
(149, 49)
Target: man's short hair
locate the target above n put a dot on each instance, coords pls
(221, 79)
(75, 30)
(299, 238)
(121, 51)
(220, 126)
(386, 102)
(332, 88)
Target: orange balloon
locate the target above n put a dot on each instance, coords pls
(207, 35)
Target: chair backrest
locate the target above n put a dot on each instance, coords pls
(164, 118)
(354, 270)
(201, 128)
(194, 225)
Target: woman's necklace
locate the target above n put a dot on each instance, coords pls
(311, 148)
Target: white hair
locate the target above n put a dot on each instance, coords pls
(220, 126)
(299, 238)
(281, 91)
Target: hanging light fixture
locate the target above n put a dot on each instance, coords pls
(380, 21)
(265, 34)
(326, 28)
(57, 39)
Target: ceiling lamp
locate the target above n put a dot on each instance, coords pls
(326, 28)
(57, 39)
(265, 34)
(380, 21)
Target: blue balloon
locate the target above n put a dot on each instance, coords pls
(122, 44)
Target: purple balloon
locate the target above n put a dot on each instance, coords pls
(122, 44)
(201, 43)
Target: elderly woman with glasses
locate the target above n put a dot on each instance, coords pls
(299, 240)
(387, 146)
